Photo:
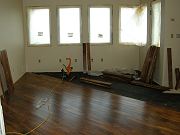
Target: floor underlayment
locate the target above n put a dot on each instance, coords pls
(137, 92)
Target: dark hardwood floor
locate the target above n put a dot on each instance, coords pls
(77, 110)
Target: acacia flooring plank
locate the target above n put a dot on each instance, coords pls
(149, 63)
(96, 81)
(5, 64)
(177, 73)
(88, 56)
(170, 73)
(78, 110)
(84, 57)
(149, 78)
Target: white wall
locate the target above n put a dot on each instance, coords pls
(114, 55)
(172, 11)
(11, 35)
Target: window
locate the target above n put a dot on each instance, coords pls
(100, 25)
(156, 23)
(133, 25)
(39, 26)
(69, 25)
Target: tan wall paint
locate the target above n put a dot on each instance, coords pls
(115, 55)
(170, 9)
(143, 51)
(171, 27)
(11, 35)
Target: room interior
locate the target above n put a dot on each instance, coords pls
(46, 96)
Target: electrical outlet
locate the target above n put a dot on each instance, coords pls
(172, 19)
(60, 60)
(102, 59)
(39, 61)
(177, 35)
(172, 35)
(92, 60)
(75, 60)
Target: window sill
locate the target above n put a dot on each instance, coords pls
(98, 44)
(70, 44)
(39, 45)
(132, 44)
(79, 44)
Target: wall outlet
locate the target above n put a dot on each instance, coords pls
(39, 61)
(75, 60)
(92, 60)
(102, 59)
(60, 60)
(172, 35)
(172, 19)
(177, 35)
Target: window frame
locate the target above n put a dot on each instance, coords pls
(58, 26)
(119, 27)
(28, 26)
(151, 22)
(111, 23)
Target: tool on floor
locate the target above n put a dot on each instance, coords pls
(63, 74)
(96, 82)
(68, 69)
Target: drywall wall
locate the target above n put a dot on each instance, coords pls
(114, 55)
(171, 26)
(11, 35)
(159, 68)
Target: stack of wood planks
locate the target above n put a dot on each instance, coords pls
(147, 70)
(96, 82)
(170, 71)
(86, 57)
(147, 85)
(8, 77)
(177, 73)
(149, 64)
(118, 76)
(146, 76)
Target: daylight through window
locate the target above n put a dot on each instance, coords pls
(39, 26)
(133, 26)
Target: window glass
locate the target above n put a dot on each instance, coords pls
(69, 25)
(100, 25)
(39, 26)
(133, 25)
(156, 23)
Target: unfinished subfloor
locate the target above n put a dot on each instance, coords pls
(78, 110)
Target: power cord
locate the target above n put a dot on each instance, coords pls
(39, 105)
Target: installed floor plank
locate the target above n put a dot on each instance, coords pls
(78, 110)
